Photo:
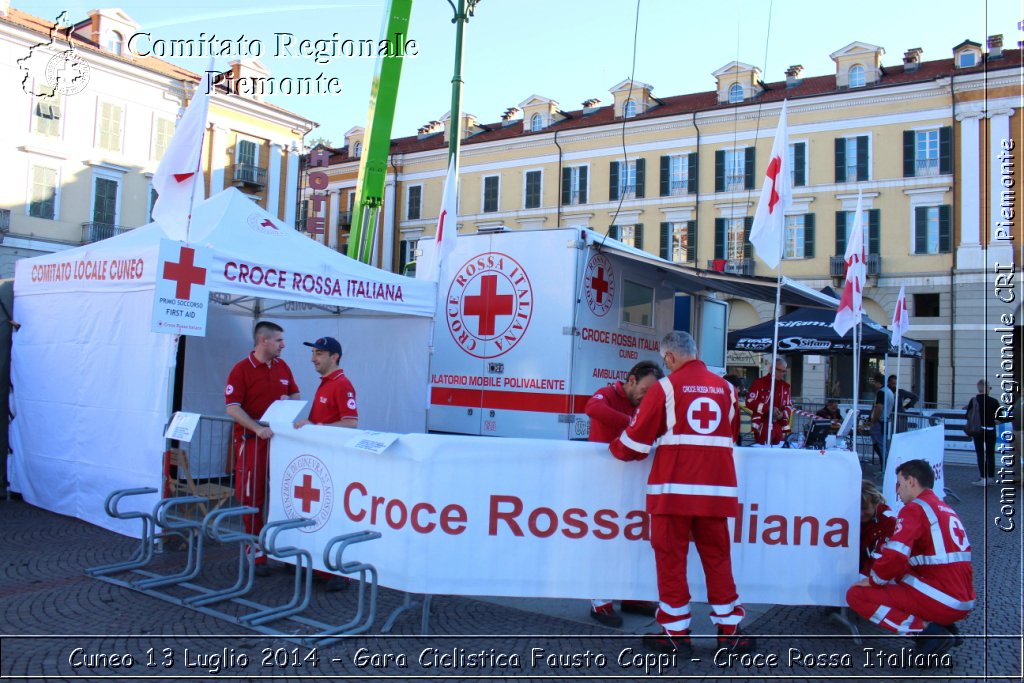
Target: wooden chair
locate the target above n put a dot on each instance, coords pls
(180, 482)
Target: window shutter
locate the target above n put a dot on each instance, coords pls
(840, 160)
(666, 240)
(945, 241)
(691, 241)
(566, 186)
(799, 160)
(613, 181)
(638, 235)
(719, 238)
(691, 179)
(808, 235)
(840, 233)
(908, 153)
(583, 184)
(862, 157)
(640, 176)
(748, 168)
(874, 230)
(920, 229)
(748, 248)
(613, 232)
(719, 170)
(945, 150)
(665, 161)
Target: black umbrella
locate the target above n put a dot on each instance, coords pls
(809, 330)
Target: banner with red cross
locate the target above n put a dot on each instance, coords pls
(181, 296)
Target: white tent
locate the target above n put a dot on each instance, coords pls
(92, 385)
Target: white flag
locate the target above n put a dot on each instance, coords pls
(851, 303)
(447, 228)
(776, 196)
(178, 179)
(900, 319)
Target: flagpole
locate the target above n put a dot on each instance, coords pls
(775, 343)
(896, 398)
(856, 382)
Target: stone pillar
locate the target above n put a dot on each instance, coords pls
(274, 180)
(291, 187)
(968, 252)
(1000, 251)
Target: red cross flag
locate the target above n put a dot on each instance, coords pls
(900, 318)
(447, 228)
(178, 179)
(776, 196)
(851, 303)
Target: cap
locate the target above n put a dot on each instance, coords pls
(328, 344)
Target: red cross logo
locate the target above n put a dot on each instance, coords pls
(704, 416)
(959, 534)
(599, 285)
(185, 273)
(440, 227)
(267, 223)
(774, 166)
(306, 493)
(488, 305)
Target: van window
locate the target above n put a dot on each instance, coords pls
(638, 304)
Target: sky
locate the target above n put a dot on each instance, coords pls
(565, 50)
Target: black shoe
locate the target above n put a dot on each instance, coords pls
(647, 609)
(958, 639)
(738, 642)
(935, 639)
(607, 616)
(668, 644)
(262, 570)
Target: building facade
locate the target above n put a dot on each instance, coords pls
(89, 121)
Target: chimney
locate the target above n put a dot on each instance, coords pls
(429, 128)
(591, 105)
(995, 46)
(509, 117)
(5, 7)
(793, 75)
(912, 59)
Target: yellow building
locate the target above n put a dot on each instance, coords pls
(89, 119)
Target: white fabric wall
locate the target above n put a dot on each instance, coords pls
(90, 399)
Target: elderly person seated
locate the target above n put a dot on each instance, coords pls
(831, 412)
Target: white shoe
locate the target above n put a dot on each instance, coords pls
(991, 480)
(979, 482)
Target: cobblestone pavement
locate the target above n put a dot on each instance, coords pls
(59, 624)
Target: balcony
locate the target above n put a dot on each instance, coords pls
(94, 232)
(743, 266)
(925, 166)
(250, 175)
(837, 266)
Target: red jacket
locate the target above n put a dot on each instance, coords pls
(929, 552)
(609, 411)
(757, 401)
(695, 413)
(875, 533)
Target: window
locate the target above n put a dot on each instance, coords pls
(927, 152)
(852, 162)
(678, 175)
(357, 150)
(115, 43)
(413, 202)
(872, 229)
(406, 254)
(43, 193)
(927, 305)
(629, 109)
(163, 131)
(626, 180)
(46, 115)
(736, 239)
(856, 76)
(631, 235)
(637, 304)
(735, 93)
(799, 239)
(533, 190)
(967, 59)
(932, 229)
(677, 241)
(734, 169)
(491, 193)
(797, 152)
(104, 200)
(110, 126)
(574, 185)
(536, 122)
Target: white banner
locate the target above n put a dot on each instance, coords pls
(927, 444)
(540, 518)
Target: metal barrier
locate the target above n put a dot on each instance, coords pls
(202, 468)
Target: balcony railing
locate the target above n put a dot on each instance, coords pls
(743, 266)
(94, 232)
(837, 265)
(926, 166)
(250, 175)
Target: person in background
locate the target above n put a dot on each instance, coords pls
(831, 412)
(759, 399)
(906, 399)
(253, 384)
(985, 441)
(877, 524)
(922, 583)
(881, 416)
(610, 410)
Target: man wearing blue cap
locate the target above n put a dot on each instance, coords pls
(335, 400)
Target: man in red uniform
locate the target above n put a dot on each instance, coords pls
(923, 582)
(609, 411)
(253, 384)
(691, 490)
(335, 400)
(757, 402)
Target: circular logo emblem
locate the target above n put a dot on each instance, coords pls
(263, 224)
(489, 305)
(599, 284)
(307, 491)
(229, 389)
(704, 416)
(67, 73)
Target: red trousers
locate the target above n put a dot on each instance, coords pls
(251, 469)
(900, 608)
(670, 537)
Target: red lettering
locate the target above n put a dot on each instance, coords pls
(509, 516)
(347, 500)
(375, 503)
(573, 518)
(639, 530)
(417, 525)
(453, 519)
(403, 514)
(552, 523)
(605, 519)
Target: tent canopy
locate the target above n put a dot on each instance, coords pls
(809, 330)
